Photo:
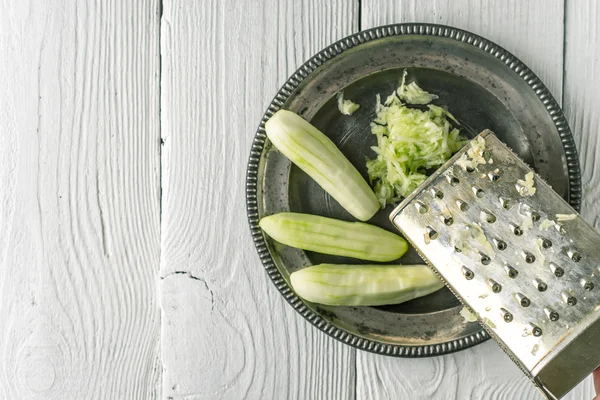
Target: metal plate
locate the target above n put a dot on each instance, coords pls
(482, 84)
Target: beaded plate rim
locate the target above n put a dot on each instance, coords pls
(302, 73)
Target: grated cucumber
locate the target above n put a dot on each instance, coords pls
(410, 142)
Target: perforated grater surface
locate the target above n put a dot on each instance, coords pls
(529, 276)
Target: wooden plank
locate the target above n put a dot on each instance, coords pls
(483, 373)
(80, 200)
(582, 96)
(581, 100)
(533, 32)
(226, 331)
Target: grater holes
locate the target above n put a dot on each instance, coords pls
(529, 258)
(587, 285)
(467, 273)
(569, 299)
(438, 194)
(452, 180)
(517, 230)
(574, 255)
(506, 315)
(421, 207)
(535, 330)
(535, 217)
(546, 243)
(485, 260)
(478, 192)
(495, 176)
(470, 170)
(432, 233)
(500, 244)
(551, 314)
(523, 300)
(507, 203)
(494, 286)
(447, 220)
(487, 217)
(511, 271)
(556, 270)
(462, 205)
(540, 285)
(559, 272)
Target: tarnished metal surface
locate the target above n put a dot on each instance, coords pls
(526, 265)
(479, 82)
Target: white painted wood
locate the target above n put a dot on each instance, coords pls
(226, 331)
(79, 199)
(533, 31)
(482, 373)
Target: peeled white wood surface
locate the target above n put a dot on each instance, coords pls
(226, 331)
(79, 200)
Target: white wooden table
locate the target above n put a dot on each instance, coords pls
(126, 266)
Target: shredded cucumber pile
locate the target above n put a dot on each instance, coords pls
(409, 142)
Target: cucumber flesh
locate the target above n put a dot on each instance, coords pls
(332, 236)
(317, 155)
(364, 285)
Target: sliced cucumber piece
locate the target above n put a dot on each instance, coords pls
(317, 155)
(364, 285)
(332, 236)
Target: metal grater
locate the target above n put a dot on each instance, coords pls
(531, 280)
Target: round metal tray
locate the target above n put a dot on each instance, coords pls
(480, 83)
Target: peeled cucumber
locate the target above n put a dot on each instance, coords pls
(318, 156)
(332, 236)
(364, 285)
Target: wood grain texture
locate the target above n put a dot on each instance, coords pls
(79, 204)
(226, 331)
(478, 373)
(533, 31)
(582, 96)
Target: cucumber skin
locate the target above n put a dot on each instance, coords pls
(364, 285)
(314, 153)
(331, 236)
